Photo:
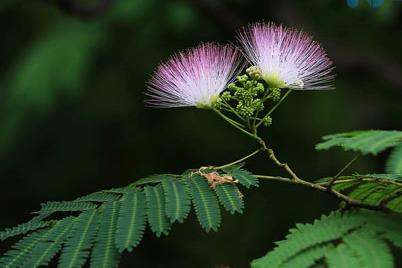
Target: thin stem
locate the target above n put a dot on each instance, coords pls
(263, 99)
(234, 123)
(343, 170)
(230, 120)
(274, 178)
(344, 179)
(232, 110)
(349, 201)
(276, 106)
(283, 165)
(272, 156)
(292, 181)
(350, 179)
(239, 160)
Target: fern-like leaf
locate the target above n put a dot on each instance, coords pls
(341, 257)
(306, 236)
(131, 221)
(51, 207)
(104, 224)
(98, 197)
(374, 193)
(23, 228)
(308, 258)
(50, 243)
(388, 228)
(245, 178)
(156, 210)
(104, 253)
(20, 252)
(154, 179)
(384, 191)
(230, 197)
(365, 190)
(365, 142)
(394, 162)
(370, 251)
(384, 176)
(80, 241)
(205, 203)
(178, 202)
(351, 239)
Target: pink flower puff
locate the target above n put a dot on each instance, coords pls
(194, 77)
(287, 58)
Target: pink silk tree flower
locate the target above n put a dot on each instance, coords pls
(194, 77)
(287, 58)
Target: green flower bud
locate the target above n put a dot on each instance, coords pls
(239, 93)
(267, 121)
(260, 88)
(254, 72)
(217, 103)
(242, 78)
(232, 86)
(276, 94)
(226, 96)
(258, 105)
(248, 85)
(244, 110)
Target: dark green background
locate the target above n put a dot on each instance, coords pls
(72, 119)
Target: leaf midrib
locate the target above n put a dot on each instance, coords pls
(81, 241)
(132, 219)
(203, 199)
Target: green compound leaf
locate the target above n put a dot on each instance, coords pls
(394, 162)
(379, 193)
(51, 207)
(156, 210)
(364, 191)
(104, 253)
(370, 251)
(382, 190)
(365, 142)
(98, 197)
(352, 239)
(50, 243)
(245, 178)
(154, 179)
(131, 222)
(178, 202)
(23, 228)
(205, 203)
(306, 236)
(388, 228)
(18, 255)
(230, 197)
(381, 176)
(308, 258)
(341, 257)
(103, 224)
(80, 240)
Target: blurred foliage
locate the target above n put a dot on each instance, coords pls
(72, 116)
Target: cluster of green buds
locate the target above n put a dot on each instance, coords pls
(247, 94)
(276, 94)
(267, 121)
(255, 74)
